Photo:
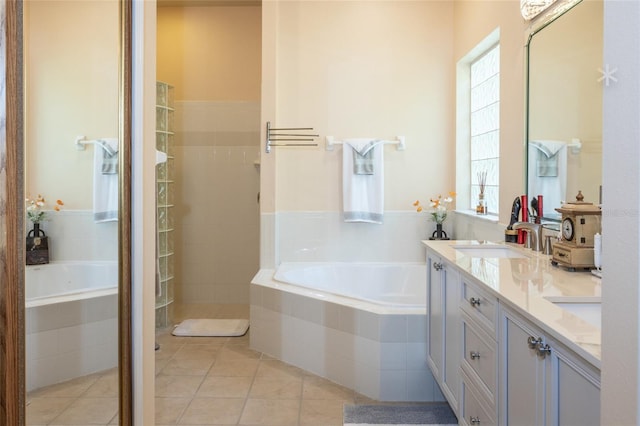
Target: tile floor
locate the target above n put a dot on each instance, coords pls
(203, 381)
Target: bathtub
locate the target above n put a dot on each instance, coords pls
(71, 320)
(361, 325)
(385, 285)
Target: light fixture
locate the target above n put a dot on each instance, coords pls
(532, 8)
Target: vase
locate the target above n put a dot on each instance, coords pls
(439, 233)
(37, 246)
(481, 208)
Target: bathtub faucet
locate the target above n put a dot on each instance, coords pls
(534, 234)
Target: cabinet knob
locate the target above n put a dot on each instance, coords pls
(533, 342)
(437, 266)
(543, 350)
(474, 302)
(474, 355)
(474, 420)
(539, 346)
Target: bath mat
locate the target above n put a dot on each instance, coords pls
(379, 415)
(211, 327)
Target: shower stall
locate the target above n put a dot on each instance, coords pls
(209, 223)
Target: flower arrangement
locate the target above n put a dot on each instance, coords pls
(438, 207)
(35, 212)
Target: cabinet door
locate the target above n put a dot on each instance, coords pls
(452, 335)
(573, 391)
(443, 327)
(435, 316)
(522, 399)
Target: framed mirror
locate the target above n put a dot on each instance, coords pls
(65, 294)
(564, 108)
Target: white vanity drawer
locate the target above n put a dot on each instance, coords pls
(474, 411)
(480, 306)
(480, 357)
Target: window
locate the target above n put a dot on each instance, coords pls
(484, 141)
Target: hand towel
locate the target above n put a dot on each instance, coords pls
(109, 158)
(363, 157)
(552, 186)
(363, 194)
(547, 158)
(105, 186)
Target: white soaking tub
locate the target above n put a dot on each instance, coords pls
(362, 325)
(71, 320)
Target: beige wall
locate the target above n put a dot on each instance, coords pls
(353, 69)
(358, 69)
(475, 20)
(218, 52)
(71, 81)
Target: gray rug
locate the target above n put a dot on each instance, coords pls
(432, 414)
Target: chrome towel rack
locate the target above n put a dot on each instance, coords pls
(288, 137)
(81, 141)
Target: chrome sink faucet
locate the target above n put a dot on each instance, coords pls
(534, 234)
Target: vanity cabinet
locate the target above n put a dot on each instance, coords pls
(495, 363)
(443, 326)
(543, 382)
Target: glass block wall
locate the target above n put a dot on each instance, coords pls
(165, 195)
(485, 127)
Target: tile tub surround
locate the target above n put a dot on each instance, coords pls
(382, 356)
(73, 235)
(70, 339)
(324, 236)
(524, 284)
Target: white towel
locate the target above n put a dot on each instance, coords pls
(552, 185)
(105, 186)
(363, 194)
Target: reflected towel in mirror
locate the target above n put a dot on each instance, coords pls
(109, 157)
(548, 154)
(105, 185)
(548, 171)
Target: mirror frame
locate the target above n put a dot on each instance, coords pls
(125, 340)
(12, 338)
(12, 311)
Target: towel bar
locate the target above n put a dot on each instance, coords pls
(81, 141)
(288, 137)
(330, 142)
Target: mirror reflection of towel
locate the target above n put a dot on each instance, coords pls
(547, 167)
(109, 158)
(105, 185)
(547, 158)
(546, 179)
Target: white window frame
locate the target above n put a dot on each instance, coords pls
(463, 124)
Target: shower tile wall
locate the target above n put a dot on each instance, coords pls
(217, 213)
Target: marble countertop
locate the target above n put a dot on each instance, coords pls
(528, 285)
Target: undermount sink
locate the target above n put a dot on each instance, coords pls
(489, 251)
(587, 308)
